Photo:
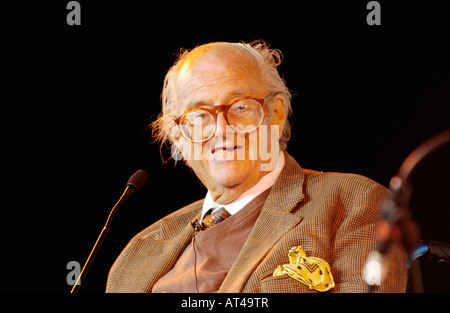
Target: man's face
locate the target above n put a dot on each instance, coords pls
(229, 163)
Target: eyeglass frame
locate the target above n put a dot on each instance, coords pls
(224, 108)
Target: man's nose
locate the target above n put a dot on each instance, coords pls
(221, 128)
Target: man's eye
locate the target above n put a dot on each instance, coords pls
(199, 117)
(240, 108)
(198, 114)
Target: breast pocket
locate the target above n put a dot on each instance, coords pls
(283, 284)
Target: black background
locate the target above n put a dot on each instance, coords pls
(76, 101)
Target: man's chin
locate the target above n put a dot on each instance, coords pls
(228, 180)
(228, 175)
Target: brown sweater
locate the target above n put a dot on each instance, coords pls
(211, 253)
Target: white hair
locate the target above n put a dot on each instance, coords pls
(266, 60)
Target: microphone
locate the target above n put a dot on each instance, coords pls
(397, 220)
(135, 183)
(138, 180)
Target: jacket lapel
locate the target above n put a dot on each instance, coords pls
(275, 220)
(175, 234)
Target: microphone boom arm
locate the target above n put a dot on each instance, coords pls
(129, 190)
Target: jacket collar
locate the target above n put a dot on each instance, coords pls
(288, 190)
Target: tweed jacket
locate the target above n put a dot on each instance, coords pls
(331, 215)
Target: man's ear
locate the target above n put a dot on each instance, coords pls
(176, 153)
(176, 148)
(179, 153)
(279, 111)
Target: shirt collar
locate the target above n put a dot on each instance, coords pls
(264, 183)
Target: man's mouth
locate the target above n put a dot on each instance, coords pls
(224, 150)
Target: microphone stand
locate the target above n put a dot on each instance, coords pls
(129, 190)
(397, 211)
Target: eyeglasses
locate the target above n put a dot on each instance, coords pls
(243, 115)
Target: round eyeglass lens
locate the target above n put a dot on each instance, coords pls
(245, 115)
(198, 125)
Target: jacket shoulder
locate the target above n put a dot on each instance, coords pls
(172, 223)
(344, 181)
(346, 191)
(135, 255)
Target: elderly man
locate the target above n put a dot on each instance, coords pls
(265, 224)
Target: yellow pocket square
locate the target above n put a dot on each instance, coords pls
(312, 272)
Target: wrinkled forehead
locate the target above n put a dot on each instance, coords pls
(212, 77)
